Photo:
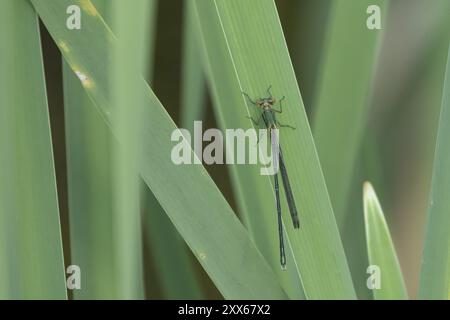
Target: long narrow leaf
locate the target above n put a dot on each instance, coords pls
(344, 92)
(31, 258)
(381, 250)
(248, 53)
(174, 271)
(127, 61)
(170, 255)
(90, 196)
(193, 202)
(193, 78)
(89, 154)
(435, 274)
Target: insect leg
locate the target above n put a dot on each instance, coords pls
(249, 99)
(281, 106)
(268, 91)
(256, 123)
(285, 126)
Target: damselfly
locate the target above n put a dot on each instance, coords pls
(268, 116)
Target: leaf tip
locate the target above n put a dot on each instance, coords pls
(368, 190)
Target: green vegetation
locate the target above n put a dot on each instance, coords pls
(140, 226)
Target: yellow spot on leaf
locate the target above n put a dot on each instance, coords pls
(87, 6)
(63, 46)
(85, 81)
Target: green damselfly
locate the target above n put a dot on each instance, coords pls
(268, 116)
